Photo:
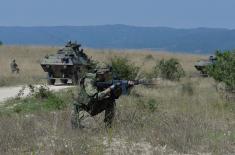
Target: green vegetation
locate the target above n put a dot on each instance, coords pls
(169, 69)
(149, 57)
(123, 69)
(224, 68)
(40, 99)
(1, 43)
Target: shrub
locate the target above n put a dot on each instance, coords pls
(149, 57)
(122, 69)
(39, 98)
(224, 68)
(149, 104)
(152, 105)
(1, 43)
(54, 103)
(169, 69)
(29, 105)
(42, 92)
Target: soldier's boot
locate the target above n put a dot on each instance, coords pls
(109, 114)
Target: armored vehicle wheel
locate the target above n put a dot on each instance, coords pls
(75, 79)
(51, 81)
(64, 81)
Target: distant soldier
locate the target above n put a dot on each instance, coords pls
(14, 67)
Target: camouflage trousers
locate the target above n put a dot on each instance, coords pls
(15, 70)
(82, 115)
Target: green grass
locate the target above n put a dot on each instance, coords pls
(34, 103)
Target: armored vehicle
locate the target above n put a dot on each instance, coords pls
(69, 63)
(202, 64)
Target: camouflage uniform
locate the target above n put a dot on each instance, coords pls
(14, 67)
(92, 101)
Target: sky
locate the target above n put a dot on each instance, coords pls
(170, 13)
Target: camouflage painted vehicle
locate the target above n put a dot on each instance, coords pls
(69, 63)
(202, 64)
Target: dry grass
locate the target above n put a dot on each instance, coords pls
(140, 57)
(28, 59)
(185, 117)
(189, 116)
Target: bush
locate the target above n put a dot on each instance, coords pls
(224, 68)
(39, 98)
(1, 43)
(169, 69)
(149, 57)
(42, 92)
(152, 105)
(122, 69)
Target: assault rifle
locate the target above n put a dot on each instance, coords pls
(122, 85)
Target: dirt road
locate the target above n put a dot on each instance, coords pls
(9, 92)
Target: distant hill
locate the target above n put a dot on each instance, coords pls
(199, 40)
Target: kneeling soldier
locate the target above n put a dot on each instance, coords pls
(92, 100)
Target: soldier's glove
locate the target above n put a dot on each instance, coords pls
(114, 86)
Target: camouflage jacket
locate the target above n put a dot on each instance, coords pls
(89, 92)
(14, 66)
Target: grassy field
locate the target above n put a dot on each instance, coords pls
(187, 117)
(28, 60)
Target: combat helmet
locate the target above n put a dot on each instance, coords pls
(102, 68)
